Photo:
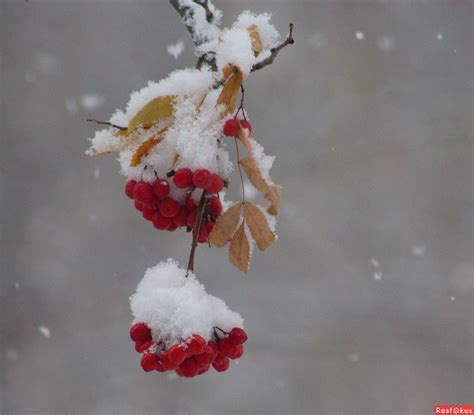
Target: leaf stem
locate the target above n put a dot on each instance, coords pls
(240, 169)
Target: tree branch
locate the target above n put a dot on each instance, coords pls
(274, 51)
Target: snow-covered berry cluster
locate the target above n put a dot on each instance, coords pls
(153, 200)
(190, 357)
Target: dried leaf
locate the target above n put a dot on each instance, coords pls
(255, 39)
(258, 225)
(239, 251)
(271, 192)
(143, 150)
(155, 111)
(244, 139)
(230, 91)
(176, 158)
(225, 226)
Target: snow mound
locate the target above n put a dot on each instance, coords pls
(175, 307)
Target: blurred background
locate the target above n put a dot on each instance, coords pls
(363, 306)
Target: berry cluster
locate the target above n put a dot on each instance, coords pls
(166, 213)
(191, 357)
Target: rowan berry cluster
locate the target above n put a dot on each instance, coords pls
(168, 214)
(191, 357)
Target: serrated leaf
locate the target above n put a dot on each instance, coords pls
(230, 91)
(239, 251)
(270, 191)
(225, 226)
(155, 111)
(255, 39)
(258, 225)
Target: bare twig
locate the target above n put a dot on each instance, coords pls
(107, 123)
(205, 6)
(274, 51)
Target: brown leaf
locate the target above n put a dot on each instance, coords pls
(258, 225)
(230, 91)
(239, 251)
(155, 111)
(244, 139)
(255, 39)
(143, 150)
(270, 191)
(225, 226)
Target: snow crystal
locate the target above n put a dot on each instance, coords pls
(386, 43)
(91, 102)
(419, 250)
(174, 307)
(71, 106)
(176, 49)
(45, 331)
(359, 35)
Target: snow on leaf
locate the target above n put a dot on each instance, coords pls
(159, 109)
(271, 192)
(225, 226)
(258, 225)
(231, 88)
(255, 39)
(239, 251)
(143, 150)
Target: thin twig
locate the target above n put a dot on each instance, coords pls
(107, 123)
(200, 215)
(205, 5)
(274, 51)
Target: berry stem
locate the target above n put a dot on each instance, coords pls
(203, 202)
(240, 169)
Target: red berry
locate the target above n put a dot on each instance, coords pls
(140, 332)
(238, 352)
(215, 184)
(183, 178)
(148, 212)
(226, 347)
(215, 206)
(201, 178)
(204, 231)
(169, 208)
(159, 366)
(161, 188)
(176, 354)
(149, 362)
(160, 222)
(138, 205)
(211, 348)
(172, 227)
(207, 356)
(237, 335)
(141, 346)
(189, 368)
(191, 220)
(129, 188)
(221, 363)
(203, 369)
(166, 361)
(195, 344)
(143, 192)
(181, 218)
(190, 203)
(246, 125)
(231, 127)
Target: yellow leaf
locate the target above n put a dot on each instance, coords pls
(155, 111)
(230, 91)
(225, 226)
(239, 251)
(176, 158)
(258, 225)
(255, 39)
(270, 191)
(143, 150)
